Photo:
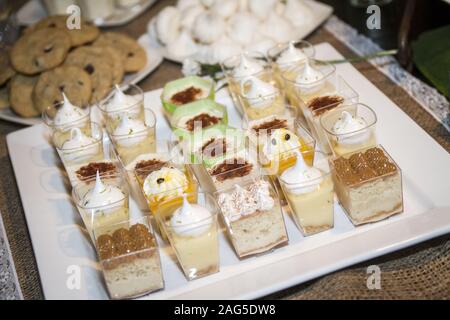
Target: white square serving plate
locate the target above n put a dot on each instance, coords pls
(63, 249)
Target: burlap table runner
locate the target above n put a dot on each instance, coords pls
(419, 272)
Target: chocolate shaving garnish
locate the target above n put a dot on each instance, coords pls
(90, 170)
(228, 170)
(204, 119)
(271, 125)
(186, 96)
(145, 167)
(321, 104)
(214, 148)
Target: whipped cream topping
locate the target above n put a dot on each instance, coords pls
(120, 101)
(68, 113)
(247, 67)
(129, 132)
(310, 77)
(301, 178)
(350, 129)
(191, 220)
(291, 54)
(260, 93)
(79, 146)
(103, 195)
(242, 202)
(169, 181)
(280, 141)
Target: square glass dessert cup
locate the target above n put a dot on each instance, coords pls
(234, 72)
(108, 214)
(310, 202)
(262, 105)
(350, 140)
(129, 259)
(252, 214)
(298, 91)
(285, 55)
(122, 101)
(190, 222)
(368, 184)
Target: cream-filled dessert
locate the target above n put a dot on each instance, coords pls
(291, 55)
(66, 116)
(260, 98)
(309, 191)
(79, 147)
(253, 217)
(130, 261)
(368, 185)
(192, 231)
(104, 206)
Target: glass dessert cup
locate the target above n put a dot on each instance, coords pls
(368, 185)
(82, 161)
(311, 202)
(263, 105)
(102, 218)
(275, 53)
(231, 64)
(351, 141)
(124, 101)
(193, 237)
(252, 213)
(129, 259)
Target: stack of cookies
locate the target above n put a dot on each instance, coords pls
(49, 59)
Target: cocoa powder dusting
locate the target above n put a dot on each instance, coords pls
(321, 104)
(145, 167)
(204, 119)
(271, 125)
(90, 170)
(185, 96)
(214, 148)
(228, 170)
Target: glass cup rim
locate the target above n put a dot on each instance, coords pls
(147, 127)
(357, 104)
(98, 140)
(49, 122)
(101, 103)
(228, 71)
(288, 108)
(284, 45)
(331, 71)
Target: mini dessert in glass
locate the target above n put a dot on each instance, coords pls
(238, 67)
(63, 115)
(83, 153)
(200, 114)
(350, 128)
(102, 203)
(253, 217)
(261, 98)
(129, 258)
(190, 222)
(286, 55)
(309, 193)
(185, 90)
(122, 102)
(368, 185)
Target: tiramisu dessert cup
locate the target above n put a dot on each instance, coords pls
(368, 185)
(63, 116)
(238, 67)
(83, 153)
(103, 203)
(190, 222)
(309, 193)
(286, 55)
(252, 214)
(185, 90)
(350, 128)
(127, 101)
(129, 258)
(261, 98)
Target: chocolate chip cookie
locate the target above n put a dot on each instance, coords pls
(21, 89)
(72, 80)
(133, 55)
(117, 65)
(40, 50)
(99, 66)
(6, 70)
(4, 97)
(87, 32)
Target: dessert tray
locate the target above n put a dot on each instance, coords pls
(63, 250)
(154, 59)
(34, 11)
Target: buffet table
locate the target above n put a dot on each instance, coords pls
(419, 272)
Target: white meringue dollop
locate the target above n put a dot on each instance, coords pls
(301, 178)
(68, 113)
(79, 147)
(191, 220)
(260, 93)
(129, 132)
(291, 54)
(350, 130)
(247, 67)
(103, 195)
(310, 77)
(120, 101)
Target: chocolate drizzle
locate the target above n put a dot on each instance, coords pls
(319, 105)
(188, 95)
